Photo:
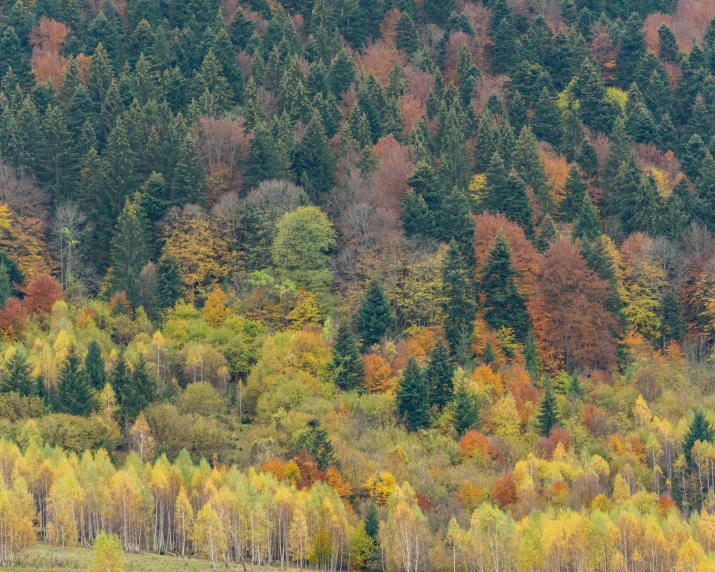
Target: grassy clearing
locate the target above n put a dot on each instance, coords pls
(45, 558)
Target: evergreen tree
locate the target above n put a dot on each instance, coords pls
(668, 44)
(347, 364)
(5, 284)
(74, 393)
(699, 430)
(531, 357)
(587, 159)
(312, 162)
(504, 304)
(548, 416)
(467, 75)
(455, 222)
(375, 316)
(575, 189)
(547, 234)
(416, 217)
(458, 292)
(546, 122)
(17, 376)
(631, 51)
(496, 187)
(528, 164)
(437, 11)
(342, 73)
(372, 522)
(439, 373)
(140, 392)
(169, 288)
(515, 204)
(94, 366)
(121, 177)
(466, 410)
(412, 397)
(588, 225)
(672, 322)
(131, 248)
(406, 38)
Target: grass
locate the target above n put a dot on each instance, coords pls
(46, 558)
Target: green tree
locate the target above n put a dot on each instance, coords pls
(531, 359)
(672, 322)
(6, 289)
(406, 38)
(169, 288)
(94, 366)
(312, 162)
(317, 442)
(347, 364)
(631, 50)
(375, 315)
(588, 225)
(139, 393)
(546, 122)
(466, 409)
(668, 44)
(548, 416)
(699, 430)
(504, 304)
(547, 234)
(17, 376)
(459, 294)
(575, 189)
(439, 373)
(412, 397)
(74, 392)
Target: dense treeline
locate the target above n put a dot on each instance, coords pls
(379, 284)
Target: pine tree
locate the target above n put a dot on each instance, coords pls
(548, 416)
(438, 11)
(497, 182)
(668, 44)
(631, 51)
(672, 322)
(5, 284)
(58, 162)
(94, 366)
(587, 159)
(588, 225)
(312, 162)
(74, 393)
(412, 397)
(375, 316)
(575, 189)
(439, 373)
(416, 217)
(547, 234)
(372, 522)
(515, 204)
(467, 75)
(169, 288)
(459, 306)
(528, 164)
(120, 381)
(131, 248)
(504, 304)
(531, 357)
(699, 430)
(406, 38)
(455, 222)
(342, 73)
(347, 364)
(465, 410)
(140, 392)
(17, 376)
(546, 122)
(120, 161)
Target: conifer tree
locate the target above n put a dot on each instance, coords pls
(169, 288)
(342, 73)
(548, 416)
(5, 284)
(497, 182)
(528, 165)
(120, 381)
(546, 122)
(455, 222)
(140, 392)
(74, 393)
(372, 522)
(466, 409)
(312, 162)
(504, 304)
(575, 189)
(17, 376)
(375, 316)
(668, 44)
(672, 322)
(316, 441)
(412, 397)
(632, 49)
(515, 203)
(467, 75)
(531, 357)
(347, 364)
(699, 430)
(406, 38)
(588, 225)
(94, 366)
(547, 234)
(439, 373)
(459, 306)
(416, 217)
(120, 162)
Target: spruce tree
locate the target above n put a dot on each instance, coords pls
(459, 294)
(312, 162)
(17, 377)
(169, 288)
(375, 316)
(455, 222)
(504, 304)
(575, 189)
(548, 416)
(94, 366)
(416, 217)
(406, 38)
(546, 122)
(672, 322)
(347, 366)
(317, 442)
(140, 392)
(528, 164)
(372, 522)
(496, 187)
(531, 356)
(588, 225)
(699, 430)
(465, 410)
(515, 203)
(120, 381)
(5, 284)
(439, 373)
(412, 397)
(74, 392)
(631, 51)
(547, 234)
(668, 44)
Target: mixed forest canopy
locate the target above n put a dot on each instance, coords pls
(399, 285)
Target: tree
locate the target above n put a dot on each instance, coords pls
(131, 248)
(169, 288)
(208, 534)
(94, 366)
(699, 430)
(347, 366)
(459, 293)
(139, 393)
(668, 44)
(548, 416)
(546, 123)
(312, 162)
(108, 554)
(17, 376)
(74, 393)
(575, 189)
(631, 51)
(375, 316)
(412, 397)
(504, 304)
(465, 410)
(41, 293)
(438, 374)
(316, 441)
(6, 289)
(547, 234)
(300, 249)
(588, 225)
(406, 38)
(672, 322)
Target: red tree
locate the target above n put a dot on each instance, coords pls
(41, 294)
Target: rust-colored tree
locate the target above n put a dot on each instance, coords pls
(41, 294)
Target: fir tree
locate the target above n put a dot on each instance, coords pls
(504, 304)
(74, 393)
(406, 38)
(372, 522)
(316, 441)
(546, 122)
(439, 373)
(465, 410)
(416, 217)
(169, 288)
(672, 322)
(347, 364)
(412, 397)
(588, 225)
(342, 73)
(699, 430)
(632, 49)
(548, 416)
(375, 316)
(6, 290)
(17, 376)
(312, 162)
(459, 306)
(455, 222)
(94, 366)
(515, 204)
(547, 234)
(531, 357)
(668, 44)
(528, 165)
(575, 189)
(140, 392)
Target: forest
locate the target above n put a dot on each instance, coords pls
(380, 285)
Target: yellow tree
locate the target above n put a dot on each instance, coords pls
(108, 555)
(208, 535)
(404, 534)
(183, 519)
(17, 522)
(64, 504)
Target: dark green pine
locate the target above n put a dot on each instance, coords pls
(504, 304)
(17, 376)
(548, 416)
(412, 397)
(672, 321)
(455, 222)
(699, 430)
(312, 161)
(120, 381)
(416, 217)
(547, 234)
(74, 392)
(5, 284)
(375, 316)
(546, 122)
(515, 204)
(169, 288)
(465, 410)
(94, 366)
(140, 392)
(459, 293)
(531, 358)
(347, 364)
(575, 189)
(406, 38)
(439, 373)
(668, 44)
(588, 225)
